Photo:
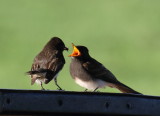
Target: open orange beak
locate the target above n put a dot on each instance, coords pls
(75, 52)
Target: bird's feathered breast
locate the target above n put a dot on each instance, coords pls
(77, 70)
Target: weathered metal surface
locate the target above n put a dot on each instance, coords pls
(65, 102)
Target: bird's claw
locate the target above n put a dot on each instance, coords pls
(59, 89)
(96, 91)
(43, 89)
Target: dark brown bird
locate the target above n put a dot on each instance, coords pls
(48, 63)
(90, 74)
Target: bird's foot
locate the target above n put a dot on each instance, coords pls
(96, 91)
(60, 89)
(43, 89)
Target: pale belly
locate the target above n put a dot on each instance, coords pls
(39, 81)
(92, 84)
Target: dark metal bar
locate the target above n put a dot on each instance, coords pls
(65, 102)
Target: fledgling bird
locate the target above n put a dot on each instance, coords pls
(48, 63)
(91, 74)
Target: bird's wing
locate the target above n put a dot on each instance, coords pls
(55, 64)
(38, 66)
(51, 63)
(53, 67)
(44, 60)
(47, 63)
(98, 71)
(40, 62)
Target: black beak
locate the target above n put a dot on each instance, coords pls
(65, 48)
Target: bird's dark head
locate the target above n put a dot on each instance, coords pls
(79, 51)
(56, 44)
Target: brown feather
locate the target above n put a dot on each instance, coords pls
(48, 62)
(123, 88)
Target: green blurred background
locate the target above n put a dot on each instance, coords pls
(124, 35)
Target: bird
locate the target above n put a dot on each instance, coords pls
(48, 63)
(91, 74)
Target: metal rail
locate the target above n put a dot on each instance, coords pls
(37, 102)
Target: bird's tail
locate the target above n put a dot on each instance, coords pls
(32, 72)
(46, 73)
(33, 78)
(123, 88)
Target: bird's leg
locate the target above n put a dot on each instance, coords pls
(85, 90)
(55, 80)
(42, 88)
(95, 89)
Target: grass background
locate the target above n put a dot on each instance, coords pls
(124, 35)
